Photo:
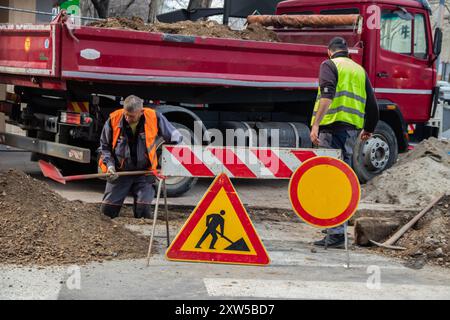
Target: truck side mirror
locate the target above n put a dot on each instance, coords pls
(437, 44)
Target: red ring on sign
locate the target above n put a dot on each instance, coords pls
(306, 216)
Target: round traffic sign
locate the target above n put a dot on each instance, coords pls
(324, 192)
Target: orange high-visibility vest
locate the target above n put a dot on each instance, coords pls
(151, 133)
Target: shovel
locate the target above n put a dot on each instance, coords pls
(239, 245)
(50, 171)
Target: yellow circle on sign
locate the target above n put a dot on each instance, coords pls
(324, 191)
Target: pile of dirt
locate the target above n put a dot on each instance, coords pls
(415, 179)
(429, 240)
(39, 227)
(213, 29)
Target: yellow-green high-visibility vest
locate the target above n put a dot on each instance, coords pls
(349, 103)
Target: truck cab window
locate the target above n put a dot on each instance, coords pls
(395, 33)
(420, 37)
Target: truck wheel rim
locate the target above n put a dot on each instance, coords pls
(376, 153)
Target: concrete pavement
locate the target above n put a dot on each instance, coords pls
(295, 271)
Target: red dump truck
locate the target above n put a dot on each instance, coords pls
(67, 82)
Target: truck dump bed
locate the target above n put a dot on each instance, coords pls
(50, 56)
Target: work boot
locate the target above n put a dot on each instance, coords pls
(110, 210)
(142, 211)
(333, 241)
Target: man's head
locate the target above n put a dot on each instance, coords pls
(133, 108)
(222, 212)
(337, 44)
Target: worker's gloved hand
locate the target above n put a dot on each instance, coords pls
(112, 174)
(364, 135)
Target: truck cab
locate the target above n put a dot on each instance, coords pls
(396, 41)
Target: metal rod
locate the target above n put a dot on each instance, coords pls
(44, 13)
(346, 246)
(167, 212)
(155, 216)
(226, 12)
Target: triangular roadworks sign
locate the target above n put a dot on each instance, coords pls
(219, 230)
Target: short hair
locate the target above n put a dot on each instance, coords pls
(133, 104)
(338, 44)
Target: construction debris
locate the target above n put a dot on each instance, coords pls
(429, 240)
(415, 179)
(39, 227)
(189, 28)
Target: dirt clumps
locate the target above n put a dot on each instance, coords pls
(39, 227)
(417, 177)
(209, 28)
(414, 181)
(429, 240)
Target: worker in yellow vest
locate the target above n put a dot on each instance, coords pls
(345, 109)
(128, 143)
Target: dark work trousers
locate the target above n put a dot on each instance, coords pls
(344, 140)
(140, 187)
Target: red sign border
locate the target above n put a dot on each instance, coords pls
(342, 217)
(174, 252)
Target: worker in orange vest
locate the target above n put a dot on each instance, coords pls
(128, 143)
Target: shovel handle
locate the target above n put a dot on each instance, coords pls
(105, 175)
(223, 236)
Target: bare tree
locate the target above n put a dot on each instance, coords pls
(127, 6)
(193, 4)
(101, 6)
(155, 8)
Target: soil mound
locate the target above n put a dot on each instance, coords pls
(37, 226)
(210, 28)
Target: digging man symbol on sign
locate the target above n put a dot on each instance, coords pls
(212, 222)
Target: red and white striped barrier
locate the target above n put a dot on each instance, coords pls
(237, 162)
(411, 128)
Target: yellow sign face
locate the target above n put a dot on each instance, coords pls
(324, 192)
(330, 185)
(27, 45)
(219, 230)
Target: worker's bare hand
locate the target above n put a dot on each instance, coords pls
(112, 174)
(315, 135)
(364, 135)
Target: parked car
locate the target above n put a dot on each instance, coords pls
(444, 91)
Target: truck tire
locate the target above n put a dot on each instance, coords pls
(176, 186)
(375, 155)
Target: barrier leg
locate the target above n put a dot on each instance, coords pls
(155, 216)
(167, 213)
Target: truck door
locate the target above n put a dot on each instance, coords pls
(404, 74)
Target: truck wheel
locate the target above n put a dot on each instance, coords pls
(176, 186)
(375, 155)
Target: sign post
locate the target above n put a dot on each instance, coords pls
(325, 193)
